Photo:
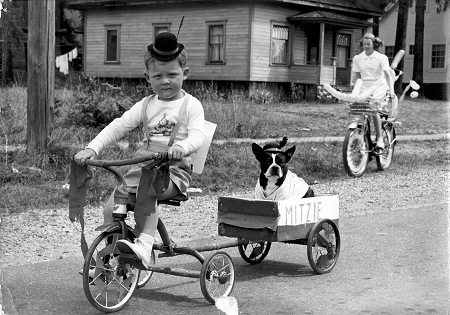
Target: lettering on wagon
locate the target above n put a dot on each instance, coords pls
(302, 213)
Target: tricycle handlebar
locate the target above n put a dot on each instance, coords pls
(136, 160)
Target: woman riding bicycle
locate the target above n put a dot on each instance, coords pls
(373, 69)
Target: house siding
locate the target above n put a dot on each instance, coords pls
(261, 69)
(436, 31)
(136, 26)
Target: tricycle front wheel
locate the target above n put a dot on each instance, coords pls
(324, 243)
(108, 284)
(254, 253)
(217, 276)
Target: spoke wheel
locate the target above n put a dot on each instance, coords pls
(145, 275)
(384, 160)
(324, 243)
(217, 276)
(355, 153)
(108, 284)
(254, 253)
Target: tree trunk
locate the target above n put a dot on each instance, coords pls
(418, 42)
(40, 72)
(400, 37)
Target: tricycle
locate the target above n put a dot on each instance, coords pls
(110, 277)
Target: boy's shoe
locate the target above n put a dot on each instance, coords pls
(91, 273)
(142, 248)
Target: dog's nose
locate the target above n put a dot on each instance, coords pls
(275, 170)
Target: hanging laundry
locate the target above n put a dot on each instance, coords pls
(62, 62)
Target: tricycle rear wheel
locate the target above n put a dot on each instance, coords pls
(217, 276)
(324, 243)
(254, 253)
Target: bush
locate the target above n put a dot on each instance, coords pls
(323, 96)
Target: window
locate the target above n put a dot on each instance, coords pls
(342, 50)
(438, 56)
(279, 50)
(112, 44)
(411, 50)
(216, 43)
(389, 52)
(160, 28)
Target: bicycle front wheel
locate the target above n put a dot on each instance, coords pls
(384, 160)
(355, 152)
(108, 284)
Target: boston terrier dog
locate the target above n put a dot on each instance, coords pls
(276, 181)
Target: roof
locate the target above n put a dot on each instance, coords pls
(369, 7)
(330, 18)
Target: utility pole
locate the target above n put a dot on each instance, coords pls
(40, 72)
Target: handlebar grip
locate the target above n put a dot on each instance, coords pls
(137, 160)
(397, 58)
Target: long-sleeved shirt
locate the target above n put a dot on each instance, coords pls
(161, 118)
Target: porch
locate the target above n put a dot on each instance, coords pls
(329, 40)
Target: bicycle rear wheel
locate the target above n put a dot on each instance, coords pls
(107, 283)
(384, 160)
(355, 152)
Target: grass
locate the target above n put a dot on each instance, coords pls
(35, 180)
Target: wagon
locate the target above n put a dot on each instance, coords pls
(308, 221)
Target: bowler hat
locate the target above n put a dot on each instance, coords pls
(166, 47)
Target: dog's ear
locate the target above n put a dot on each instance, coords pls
(289, 153)
(258, 151)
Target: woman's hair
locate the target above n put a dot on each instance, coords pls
(377, 42)
(182, 58)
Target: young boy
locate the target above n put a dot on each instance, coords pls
(165, 64)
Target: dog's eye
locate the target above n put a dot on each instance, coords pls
(279, 159)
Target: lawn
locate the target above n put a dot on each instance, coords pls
(36, 180)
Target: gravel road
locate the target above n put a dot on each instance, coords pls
(39, 235)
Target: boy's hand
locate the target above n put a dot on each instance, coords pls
(82, 156)
(175, 152)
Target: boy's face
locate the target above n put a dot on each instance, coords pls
(166, 78)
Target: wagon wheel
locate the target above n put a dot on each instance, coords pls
(324, 243)
(254, 253)
(217, 276)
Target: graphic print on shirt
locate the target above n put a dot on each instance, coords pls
(163, 128)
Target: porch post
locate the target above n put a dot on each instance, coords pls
(321, 46)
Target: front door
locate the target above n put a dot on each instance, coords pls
(342, 55)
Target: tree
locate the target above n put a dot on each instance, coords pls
(400, 35)
(418, 41)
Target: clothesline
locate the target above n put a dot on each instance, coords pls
(62, 61)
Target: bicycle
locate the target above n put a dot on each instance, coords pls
(359, 144)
